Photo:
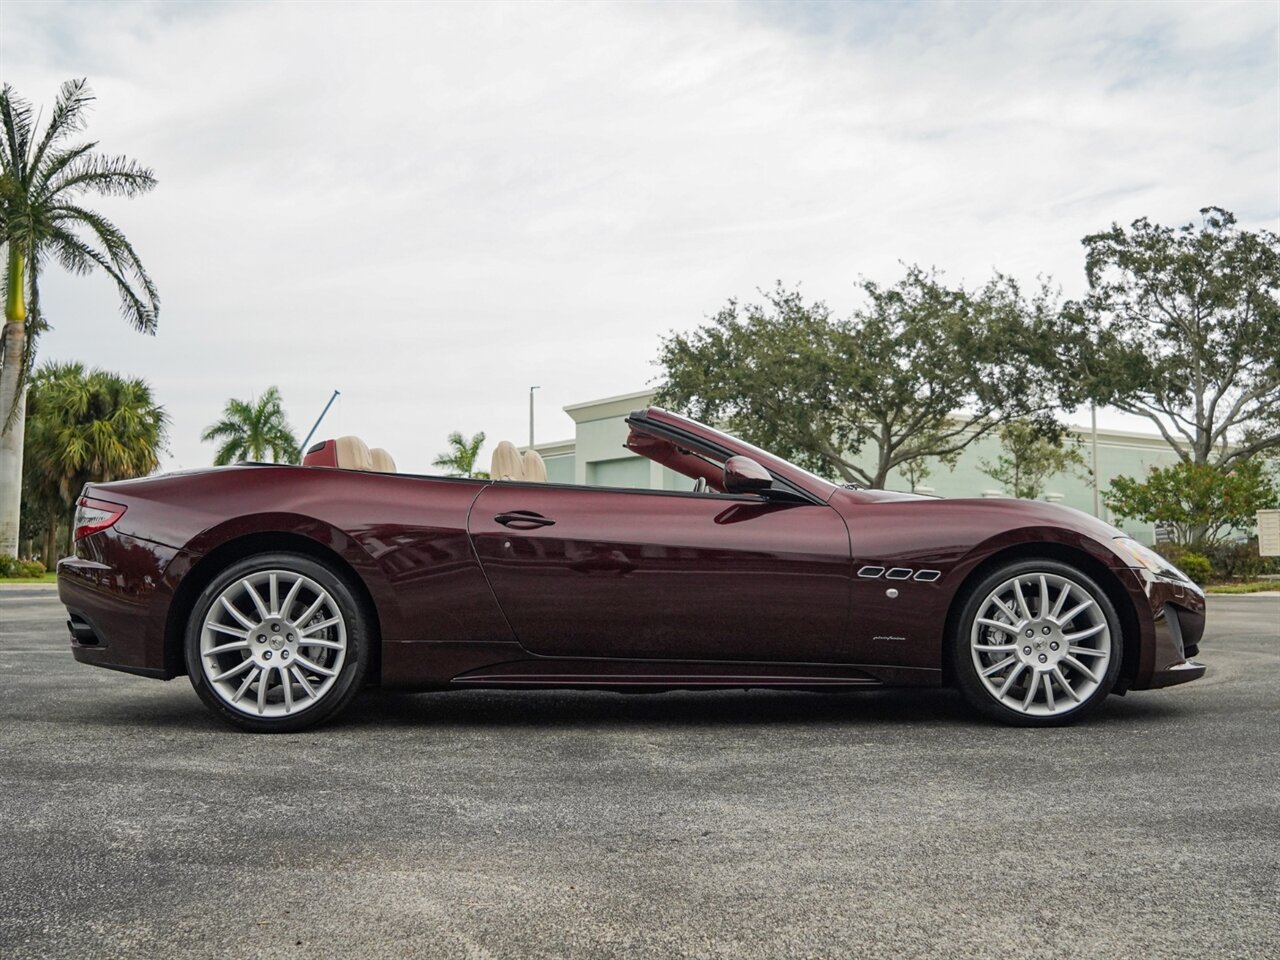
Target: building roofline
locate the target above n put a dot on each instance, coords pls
(556, 448)
(607, 407)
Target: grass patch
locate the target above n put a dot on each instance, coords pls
(50, 577)
(1254, 586)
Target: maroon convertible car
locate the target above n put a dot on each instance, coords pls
(282, 590)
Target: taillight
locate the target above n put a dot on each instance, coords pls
(94, 515)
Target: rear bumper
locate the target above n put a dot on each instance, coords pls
(109, 592)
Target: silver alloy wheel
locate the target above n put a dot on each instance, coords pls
(273, 643)
(1040, 644)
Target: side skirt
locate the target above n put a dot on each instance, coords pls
(460, 664)
(667, 674)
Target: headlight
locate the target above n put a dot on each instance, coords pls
(1148, 559)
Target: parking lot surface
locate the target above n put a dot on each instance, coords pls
(705, 824)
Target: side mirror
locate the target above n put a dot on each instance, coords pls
(744, 475)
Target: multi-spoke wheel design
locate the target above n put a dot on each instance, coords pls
(273, 643)
(276, 643)
(1041, 642)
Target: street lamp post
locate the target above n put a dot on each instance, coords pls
(1093, 417)
(531, 389)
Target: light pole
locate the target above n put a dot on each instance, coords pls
(1093, 418)
(531, 389)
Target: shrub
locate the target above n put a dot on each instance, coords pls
(13, 567)
(1196, 566)
(1241, 561)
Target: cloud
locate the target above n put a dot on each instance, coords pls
(433, 207)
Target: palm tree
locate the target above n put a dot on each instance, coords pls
(254, 431)
(86, 427)
(41, 181)
(461, 461)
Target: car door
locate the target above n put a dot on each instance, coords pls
(595, 572)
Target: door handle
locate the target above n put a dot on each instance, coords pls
(523, 520)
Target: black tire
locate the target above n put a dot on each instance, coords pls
(980, 692)
(335, 690)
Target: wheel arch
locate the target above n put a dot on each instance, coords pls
(1095, 569)
(207, 566)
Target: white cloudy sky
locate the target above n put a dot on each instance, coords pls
(434, 206)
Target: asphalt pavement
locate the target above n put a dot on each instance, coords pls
(575, 824)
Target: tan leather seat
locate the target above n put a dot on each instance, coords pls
(535, 470)
(382, 461)
(506, 463)
(352, 454)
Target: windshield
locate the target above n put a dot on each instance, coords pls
(795, 474)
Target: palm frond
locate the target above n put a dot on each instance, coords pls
(15, 117)
(115, 243)
(107, 176)
(223, 428)
(71, 249)
(59, 161)
(67, 116)
(230, 451)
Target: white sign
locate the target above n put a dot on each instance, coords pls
(1269, 533)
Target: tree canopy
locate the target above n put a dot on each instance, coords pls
(1182, 326)
(256, 429)
(919, 370)
(43, 179)
(1030, 454)
(1201, 502)
(86, 426)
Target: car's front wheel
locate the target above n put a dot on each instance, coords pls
(1037, 643)
(276, 643)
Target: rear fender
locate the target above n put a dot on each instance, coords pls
(211, 551)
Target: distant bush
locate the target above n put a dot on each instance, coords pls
(1241, 561)
(13, 567)
(1196, 566)
(1227, 561)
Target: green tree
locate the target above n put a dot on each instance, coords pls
(86, 427)
(917, 471)
(1030, 454)
(256, 430)
(460, 459)
(42, 179)
(1202, 502)
(1182, 326)
(919, 370)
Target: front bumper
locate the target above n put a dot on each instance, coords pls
(1177, 624)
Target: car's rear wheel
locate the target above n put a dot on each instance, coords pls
(1037, 643)
(277, 643)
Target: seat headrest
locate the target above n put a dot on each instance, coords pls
(535, 470)
(506, 463)
(382, 461)
(352, 454)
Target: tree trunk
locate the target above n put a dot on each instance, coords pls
(14, 343)
(50, 543)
